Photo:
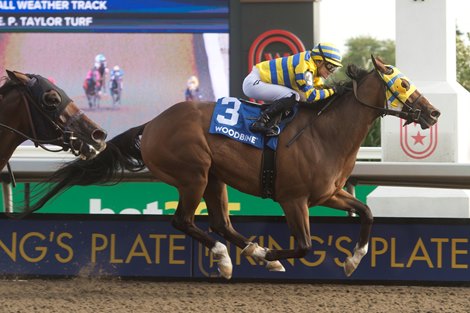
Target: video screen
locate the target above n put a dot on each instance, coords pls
(126, 61)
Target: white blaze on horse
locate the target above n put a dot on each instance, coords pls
(200, 164)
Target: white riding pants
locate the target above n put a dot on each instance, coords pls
(254, 88)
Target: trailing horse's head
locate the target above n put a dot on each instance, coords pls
(56, 119)
(403, 96)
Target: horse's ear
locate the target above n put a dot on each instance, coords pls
(17, 76)
(378, 64)
(373, 60)
(11, 75)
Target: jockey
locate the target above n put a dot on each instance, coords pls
(115, 79)
(116, 73)
(102, 67)
(116, 84)
(192, 92)
(92, 80)
(286, 80)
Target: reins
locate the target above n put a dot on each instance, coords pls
(37, 142)
(310, 123)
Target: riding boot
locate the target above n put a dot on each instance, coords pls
(264, 122)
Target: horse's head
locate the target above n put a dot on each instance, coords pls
(403, 97)
(65, 124)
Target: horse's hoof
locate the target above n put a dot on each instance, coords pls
(224, 263)
(225, 269)
(349, 267)
(275, 266)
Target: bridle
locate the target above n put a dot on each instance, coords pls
(33, 95)
(411, 115)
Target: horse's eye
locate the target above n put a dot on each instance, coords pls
(405, 84)
(51, 99)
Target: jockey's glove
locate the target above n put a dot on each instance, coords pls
(340, 89)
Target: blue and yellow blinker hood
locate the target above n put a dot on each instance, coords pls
(397, 94)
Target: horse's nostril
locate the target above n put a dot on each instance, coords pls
(435, 113)
(99, 135)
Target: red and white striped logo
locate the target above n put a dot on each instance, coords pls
(416, 142)
(272, 44)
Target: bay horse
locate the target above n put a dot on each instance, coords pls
(315, 156)
(33, 108)
(92, 87)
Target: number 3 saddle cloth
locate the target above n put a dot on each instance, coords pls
(232, 117)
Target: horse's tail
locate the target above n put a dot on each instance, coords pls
(122, 153)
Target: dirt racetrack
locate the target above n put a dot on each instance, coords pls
(104, 295)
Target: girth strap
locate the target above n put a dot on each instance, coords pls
(268, 173)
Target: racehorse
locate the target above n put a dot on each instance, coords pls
(115, 87)
(315, 156)
(92, 88)
(31, 107)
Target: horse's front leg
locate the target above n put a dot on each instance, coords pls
(216, 199)
(345, 201)
(296, 213)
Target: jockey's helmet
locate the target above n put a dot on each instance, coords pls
(192, 83)
(116, 68)
(328, 52)
(100, 61)
(100, 58)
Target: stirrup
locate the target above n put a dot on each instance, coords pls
(273, 131)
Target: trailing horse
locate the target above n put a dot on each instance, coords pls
(316, 154)
(115, 87)
(92, 88)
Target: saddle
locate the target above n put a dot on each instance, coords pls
(281, 117)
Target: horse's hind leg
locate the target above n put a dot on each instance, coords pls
(216, 199)
(90, 104)
(345, 201)
(183, 220)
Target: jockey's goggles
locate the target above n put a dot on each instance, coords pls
(330, 67)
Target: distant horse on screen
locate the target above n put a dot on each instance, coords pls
(92, 88)
(311, 170)
(115, 87)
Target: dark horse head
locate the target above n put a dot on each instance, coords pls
(34, 108)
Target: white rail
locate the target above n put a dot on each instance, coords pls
(32, 159)
(31, 164)
(411, 174)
